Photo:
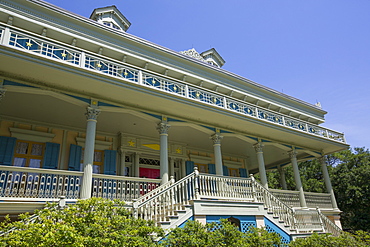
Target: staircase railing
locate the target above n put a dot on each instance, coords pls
(274, 205)
(328, 225)
(164, 202)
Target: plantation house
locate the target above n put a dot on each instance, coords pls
(89, 110)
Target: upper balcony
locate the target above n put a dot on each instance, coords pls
(17, 41)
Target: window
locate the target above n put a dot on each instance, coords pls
(28, 154)
(202, 168)
(98, 161)
(233, 172)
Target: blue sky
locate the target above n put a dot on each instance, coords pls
(317, 50)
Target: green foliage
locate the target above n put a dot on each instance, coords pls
(194, 234)
(325, 240)
(350, 179)
(349, 171)
(92, 222)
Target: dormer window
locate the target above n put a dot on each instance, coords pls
(110, 16)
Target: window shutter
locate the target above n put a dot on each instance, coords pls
(225, 171)
(243, 172)
(51, 156)
(110, 162)
(211, 168)
(7, 146)
(74, 157)
(189, 165)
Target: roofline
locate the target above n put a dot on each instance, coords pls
(172, 52)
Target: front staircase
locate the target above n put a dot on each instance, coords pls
(173, 203)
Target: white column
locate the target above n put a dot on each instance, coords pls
(282, 177)
(297, 178)
(216, 138)
(92, 115)
(136, 170)
(172, 167)
(122, 157)
(261, 163)
(329, 188)
(163, 132)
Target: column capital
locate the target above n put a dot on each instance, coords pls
(216, 138)
(292, 154)
(121, 150)
(322, 159)
(163, 128)
(2, 93)
(92, 113)
(259, 147)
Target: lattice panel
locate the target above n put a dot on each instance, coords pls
(245, 226)
(44, 48)
(111, 68)
(165, 85)
(206, 97)
(271, 227)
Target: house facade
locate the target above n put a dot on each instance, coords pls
(89, 110)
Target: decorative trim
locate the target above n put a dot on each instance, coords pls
(259, 147)
(2, 93)
(31, 135)
(100, 145)
(163, 128)
(292, 154)
(92, 113)
(216, 138)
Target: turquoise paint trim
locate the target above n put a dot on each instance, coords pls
(107, 104)
(88, 101)
(12, 83)
(271, 227)
(184, 223)
(153, 115)
(253, 138)
(210, 128)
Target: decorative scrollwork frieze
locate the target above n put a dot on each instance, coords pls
(92, 113)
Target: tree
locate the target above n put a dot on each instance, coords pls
(92, 222)
(349, 172)
(219, 234)
(350, 179)
(343, 240)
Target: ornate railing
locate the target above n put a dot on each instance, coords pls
(328, 225)
(163, 203)
(313, 200)
(43, 46)
(24, 182)
(122, 188)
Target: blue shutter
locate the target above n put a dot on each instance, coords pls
(225, 171)
(74, 157)
(211, 169)
(189, 165)
(51, 156)
(243, 172)
(110, 162)
(7, 146)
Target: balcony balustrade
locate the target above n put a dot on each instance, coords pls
(72, 55)
(313, 200)
(22, 182)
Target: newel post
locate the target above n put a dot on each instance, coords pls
(196, 184)
(135, 208)
(253, 188)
